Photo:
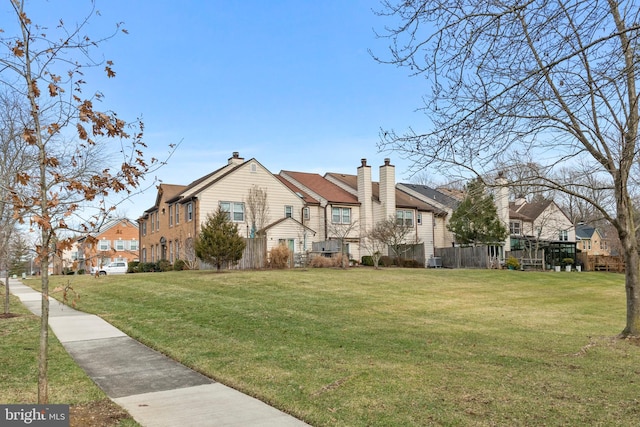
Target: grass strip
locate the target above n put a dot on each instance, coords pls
(392, 347)
(68, 384)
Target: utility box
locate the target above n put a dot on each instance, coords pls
(435, 262)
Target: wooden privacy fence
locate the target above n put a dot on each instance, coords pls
(254, 255)
(413, 252)
(603, 263)
(464, 257)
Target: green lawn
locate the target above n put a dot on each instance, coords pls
(68, 384)
(393, 347)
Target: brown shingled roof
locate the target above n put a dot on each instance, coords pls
(305, 196)
(528, 211)
(323, 187)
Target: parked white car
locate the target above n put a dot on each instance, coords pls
(117, 267)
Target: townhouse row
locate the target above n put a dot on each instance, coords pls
(301, 209)
(307, 211)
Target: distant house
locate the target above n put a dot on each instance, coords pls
(168, 229)
(541, 223)
(117, 240)
(591, 241)
(356, 204)
(305, 210)
(444, 203)
(536, 226)
(541, 219)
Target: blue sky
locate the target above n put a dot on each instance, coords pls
(290, 83)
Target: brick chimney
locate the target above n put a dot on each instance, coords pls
(388, 189)
(365, 193)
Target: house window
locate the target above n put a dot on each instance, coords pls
(288, 211)
(419, 219)
(171, 251)
(254, 168)
(584, 244)
(104, 245)
(404, 218)
(306, 213)
(158, 221)
(119, 245)
(514, 227)
(170, 215)
(341, 215)
(153, 259)
(177, 249)
(144, 228)
(189, 208)
(177, 214)
(589, 245)
(144, 254)
(234, 210)
(153, 223)
(134, 245)
(563, 235)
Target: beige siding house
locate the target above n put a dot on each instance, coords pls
(443, 206)
(302, 209)
(540, 220)
(384, 199)
(168, 228)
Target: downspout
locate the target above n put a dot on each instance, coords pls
(304, 230)
(196, 216)
(326, 230)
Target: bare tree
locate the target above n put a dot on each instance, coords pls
(395, 233)
(556, 81)
(581, 180)
(341, 232)
(15, 157)
(523, 176)
(44, 65)
(188, 254)
(374, 241)
(257, 209)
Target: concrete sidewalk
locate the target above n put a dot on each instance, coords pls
(156, 390)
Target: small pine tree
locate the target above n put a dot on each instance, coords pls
(219, 242)
(476, 219)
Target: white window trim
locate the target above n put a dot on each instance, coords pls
(234, 209)
(341, 212)
(104, 248)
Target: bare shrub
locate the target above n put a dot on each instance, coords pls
(321, 262)
(279, 257)
(325, 262)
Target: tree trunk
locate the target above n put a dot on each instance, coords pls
(632, 286)
(43, 355)
(632, 280)
(6, 293)
(625, 225)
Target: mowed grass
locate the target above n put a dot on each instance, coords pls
(393, 347)
(68, 384)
